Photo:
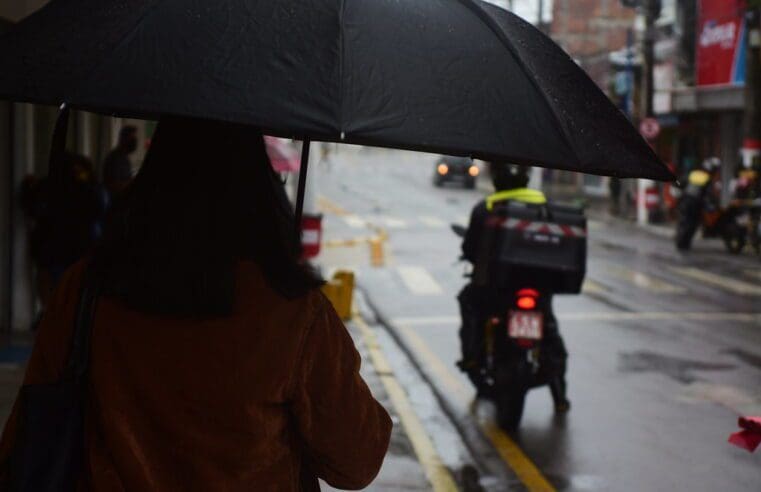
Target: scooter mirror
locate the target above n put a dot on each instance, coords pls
(458, 229)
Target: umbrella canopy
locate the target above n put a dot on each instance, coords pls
(458, 77)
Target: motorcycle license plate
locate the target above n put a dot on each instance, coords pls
(528, 325)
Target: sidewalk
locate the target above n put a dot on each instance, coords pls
(401, 469)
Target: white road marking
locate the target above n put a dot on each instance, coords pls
(603, 316)
(419, 281)
(592, 287)
(730, 284)
(732, 397)
(594, 225)
(433, 222)
(354, 221)
(392, 222)
(642, 280)
(753, 274)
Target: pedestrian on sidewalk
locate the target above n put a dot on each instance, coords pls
(216, 362)
(64, 216)
(117, 167)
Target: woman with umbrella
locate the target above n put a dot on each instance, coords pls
(278, 399)
(217, 364)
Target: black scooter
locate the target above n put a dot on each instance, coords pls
(523, 350)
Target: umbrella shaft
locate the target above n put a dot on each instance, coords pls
(302, 186)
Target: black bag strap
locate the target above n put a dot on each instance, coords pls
(78, 362)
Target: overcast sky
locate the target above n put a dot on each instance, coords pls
(528, 9)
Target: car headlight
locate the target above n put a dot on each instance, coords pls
(473, 171)
(443, 169)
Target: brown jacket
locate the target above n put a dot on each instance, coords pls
(267, 399)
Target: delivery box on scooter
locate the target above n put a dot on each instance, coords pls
(541, 245)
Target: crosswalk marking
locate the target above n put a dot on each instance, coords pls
(391, 222)
(642, 280)
(730, 284)
(433, 222)
(419, 281)
(354, 221)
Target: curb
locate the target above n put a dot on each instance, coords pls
(487, 459)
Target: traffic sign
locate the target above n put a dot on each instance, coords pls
(650, 128)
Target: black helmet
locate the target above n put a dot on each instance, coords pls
(508, 176)
(711, 164)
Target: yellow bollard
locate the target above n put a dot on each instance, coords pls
(376, 252)
(340, 290)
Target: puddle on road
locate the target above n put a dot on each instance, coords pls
(676, 368)
(749, 358)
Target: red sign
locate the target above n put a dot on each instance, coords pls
(650, 128)
(720, 42)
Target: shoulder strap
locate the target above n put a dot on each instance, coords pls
(524, 195)
(79, 353)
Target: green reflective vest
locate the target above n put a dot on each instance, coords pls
(524, 195)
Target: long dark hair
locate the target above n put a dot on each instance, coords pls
(205, 198)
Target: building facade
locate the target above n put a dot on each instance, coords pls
(591, 31)
(700, 91)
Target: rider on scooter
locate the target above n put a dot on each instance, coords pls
(700, 194)
(510, 182)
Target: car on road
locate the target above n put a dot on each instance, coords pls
(450, 169)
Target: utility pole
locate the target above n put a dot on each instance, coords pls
(752, 117)
(540, 15)
(651, 9)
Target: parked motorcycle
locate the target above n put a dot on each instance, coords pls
(729, 224)
(523, 349)
(752, 222)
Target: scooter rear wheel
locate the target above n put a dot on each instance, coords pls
(734, 238)
(510, 404)
(685, 230)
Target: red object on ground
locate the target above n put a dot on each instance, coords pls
(311, 235)
(284, 158)
(750, 437)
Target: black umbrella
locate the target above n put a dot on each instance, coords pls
(456, 77)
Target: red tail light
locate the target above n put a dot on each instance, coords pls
(526, 299)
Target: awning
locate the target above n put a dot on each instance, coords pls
(718, 99)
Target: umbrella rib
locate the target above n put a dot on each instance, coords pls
(118, 45)
(341, 54)
(486, 19)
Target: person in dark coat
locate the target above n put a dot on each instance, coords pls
(216, 361)
(65, 217)
(117, 167)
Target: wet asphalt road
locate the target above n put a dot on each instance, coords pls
(665, 349)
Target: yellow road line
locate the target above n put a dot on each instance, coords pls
(730, 284)
(328, 206)
(510, 452)
(438, 475)
(527, 472)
